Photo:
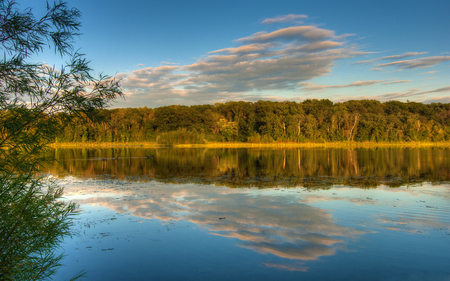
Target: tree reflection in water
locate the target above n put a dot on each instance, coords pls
(311, 168)
(270, 201)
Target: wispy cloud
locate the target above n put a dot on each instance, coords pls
(278, 60)
(246, 49)
(396, 82)
(437, 100)
(319, 46)
(171, 63)
(297, 33)
(394, 57)
(422, 96)
(313, 87)
(150, 77)
(289, 267)
(382, 98)
(430, 72)
(439, 90)
(265, 63)
(402, 56)
(417, 63)
(284, 19)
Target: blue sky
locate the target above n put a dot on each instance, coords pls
(203, 52)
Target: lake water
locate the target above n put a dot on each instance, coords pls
(265, 214)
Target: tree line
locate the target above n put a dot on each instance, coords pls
(266, 121)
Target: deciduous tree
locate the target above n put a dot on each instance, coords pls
(33, 218)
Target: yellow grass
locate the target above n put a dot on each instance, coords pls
(252, 145)
(105, 144)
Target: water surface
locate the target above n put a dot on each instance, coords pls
(227, 214)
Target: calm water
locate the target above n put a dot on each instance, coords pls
(235, 214)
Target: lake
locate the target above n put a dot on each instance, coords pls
(257, 214)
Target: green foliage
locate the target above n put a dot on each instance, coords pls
(268, 121)
(33, 224)
(36, 102)
(181, 137)
(227, 129)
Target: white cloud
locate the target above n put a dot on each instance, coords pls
(279, 60)
(150, 77)
(421, 96)
(319, 46)
(246, 49)
(383, 97)
(365, 61)
(439, 90)
(394, 57)
(396, 82)
(437, 100)
(404, 55)
(171, 63)
(282, 60)
(417, 63)
(309, 33)
(286, 18)
(314, 87)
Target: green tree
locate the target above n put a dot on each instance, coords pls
(228, 129)
(33, 218)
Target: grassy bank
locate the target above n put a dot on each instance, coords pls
(252, 145)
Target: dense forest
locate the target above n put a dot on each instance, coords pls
(265, 122)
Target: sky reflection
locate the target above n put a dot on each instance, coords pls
(320, 214)
(294, 225)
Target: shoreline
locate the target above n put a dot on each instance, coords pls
(253, 145)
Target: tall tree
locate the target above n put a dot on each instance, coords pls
(33, 219)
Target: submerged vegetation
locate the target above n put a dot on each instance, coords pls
(264, 122)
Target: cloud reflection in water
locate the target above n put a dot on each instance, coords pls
(266, 222)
